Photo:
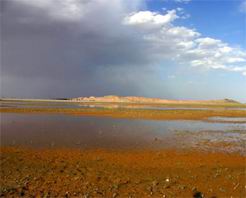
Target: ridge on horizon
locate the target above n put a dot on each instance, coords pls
(116, 98)
(127, 99)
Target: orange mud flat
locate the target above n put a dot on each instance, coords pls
(147, 114)
(120, 173)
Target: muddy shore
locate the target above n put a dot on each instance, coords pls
(120, 173)
(202, 169)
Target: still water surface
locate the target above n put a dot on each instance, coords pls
(85, 105)
(45, 130)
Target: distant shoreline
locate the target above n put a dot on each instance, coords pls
(34, 100)
(130, 100)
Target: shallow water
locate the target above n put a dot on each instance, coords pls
(86, 105)
(228, 119)
(46, 130)
(38, 105)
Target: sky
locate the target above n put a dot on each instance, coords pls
(173, 49)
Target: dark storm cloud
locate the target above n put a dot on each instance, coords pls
(42, 53)
(68, 48)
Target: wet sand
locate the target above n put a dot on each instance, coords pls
(120, 173)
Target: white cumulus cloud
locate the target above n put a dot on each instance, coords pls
(52, 44)
(185, 45)
(150, 18)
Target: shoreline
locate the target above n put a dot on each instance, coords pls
(146, 114)
(184, 171)
(211, 103)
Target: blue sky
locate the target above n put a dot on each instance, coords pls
(221, 19)
(174, 49)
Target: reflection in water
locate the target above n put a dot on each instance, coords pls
(42, 130)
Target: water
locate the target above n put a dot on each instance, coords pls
(57, 130)
(84, 105)
(53, 130)
(24, 104)
(228, 119)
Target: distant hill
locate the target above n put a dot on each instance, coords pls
(136, 99)
(231, 101)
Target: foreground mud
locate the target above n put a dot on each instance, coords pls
(120, 173)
